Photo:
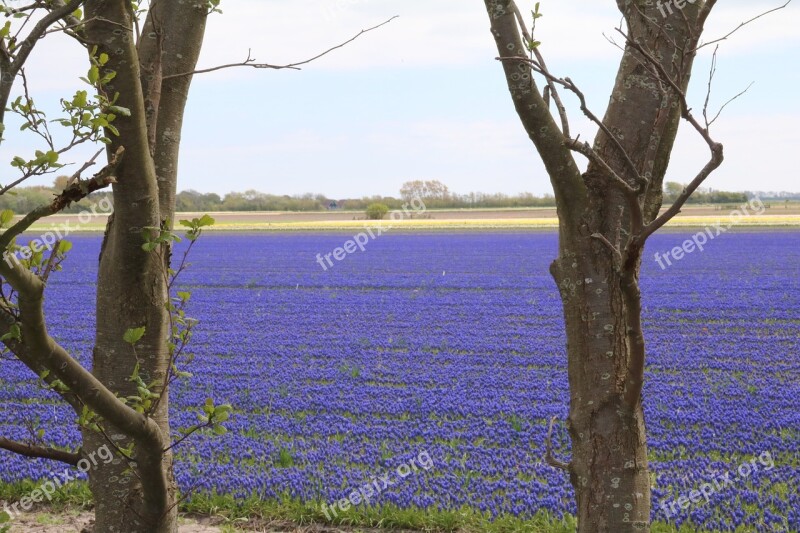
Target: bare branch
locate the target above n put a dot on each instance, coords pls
(537, 120)
(548, 456)
(568, 84)
(40, 452)
(73, 193)
(77, 175)
(25, 47)
(250, 62)
(562, 111)
(741, 25)
(716, 160)
(709, 123)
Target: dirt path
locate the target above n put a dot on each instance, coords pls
(72, 521)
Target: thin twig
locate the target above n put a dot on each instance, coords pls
(742, 25)
(250, 62)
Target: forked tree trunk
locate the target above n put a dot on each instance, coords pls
(605, 215)
(132, 290)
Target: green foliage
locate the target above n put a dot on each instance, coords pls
(536, 15)
(13, 333)
(64, 247)
(673, 189)
(285, 459)
(155, 237)
(89, 419)
(213, 416)
(196, 226)
(145, 399)
(133, 335)
(213, 6)
(377, 211)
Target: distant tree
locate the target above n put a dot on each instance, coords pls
(60, 183)
(672, 190)
(377, 211)
(431, 192)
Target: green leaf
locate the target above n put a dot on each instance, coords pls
(119, 110)
(103, 59)
(133, 335)
(93, 75)
(80, 99)
(13, 333)
(209, 407)
(220, 430)
(5, 216)
(64, 247)
(205, 220)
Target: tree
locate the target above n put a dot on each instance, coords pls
(377, 211)
(605, 216)
(138, 88)
(672, 189)
(430, 192)
(60, 183)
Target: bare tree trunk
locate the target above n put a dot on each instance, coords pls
(605, 216)
(609, 452)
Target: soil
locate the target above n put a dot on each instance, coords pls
(81, 522)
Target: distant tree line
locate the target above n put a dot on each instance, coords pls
(433, 193)
(673, 189)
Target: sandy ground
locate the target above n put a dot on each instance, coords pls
(78, 522)
(81, 522)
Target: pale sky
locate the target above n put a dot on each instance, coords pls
(424, 98)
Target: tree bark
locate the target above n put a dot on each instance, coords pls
(609, 452)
